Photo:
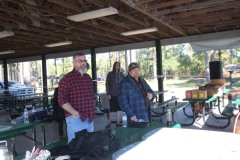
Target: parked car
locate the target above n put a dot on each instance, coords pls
(16, 87)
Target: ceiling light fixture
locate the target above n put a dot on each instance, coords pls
(7, 52)
(58, 44)
(6, 34)
(140, 31)
(93, 14)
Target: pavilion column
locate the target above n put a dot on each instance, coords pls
(159, 68)
(94, 69)
(44, 74)
(5, 75)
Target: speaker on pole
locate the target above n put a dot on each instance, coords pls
(215, 68)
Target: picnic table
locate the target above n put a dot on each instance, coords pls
(8, 130)
(19, 102)
(232, 68)
(203, 103)
(208, 104)
(126, 135)
(130, 135)
(187, 144)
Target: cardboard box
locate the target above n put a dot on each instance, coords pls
(188, 94)
(194, 94)
(220, 82)
(214, 90)
(202, 94)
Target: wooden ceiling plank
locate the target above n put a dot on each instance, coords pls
(160, 5)
(154, 18)
(4, 4)
(143, 24)
(104, 28)
(120, 13)
(72, 26)
(215, 17)
(141, 1)
(86, 23)
(197, 30)
(54, 33)
(66, 4)
(131, 18)
(102, 5)
(196, 6)
(40, 2)
(98, 3)
(187, 14)
(114, 22)
(63, 36)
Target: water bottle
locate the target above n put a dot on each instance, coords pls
(124, 119)
(33, 110)
(169, 116)
(25, 115)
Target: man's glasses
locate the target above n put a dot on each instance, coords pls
(81, 61)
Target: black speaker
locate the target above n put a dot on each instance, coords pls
(216, 70)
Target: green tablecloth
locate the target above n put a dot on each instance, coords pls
(126, 135)
(131, 135)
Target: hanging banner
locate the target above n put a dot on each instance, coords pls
(216, 44)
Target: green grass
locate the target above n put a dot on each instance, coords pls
(191, 83)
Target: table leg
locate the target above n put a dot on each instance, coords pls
(184, 111)
(34, 137)
(219, 107)
(223, 100)
(193, 116)
(13, 147)
(230, 78)
(203, 111)
(43, 135)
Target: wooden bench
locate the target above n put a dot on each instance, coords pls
(160, 108)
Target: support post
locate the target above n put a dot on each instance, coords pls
(159, 69)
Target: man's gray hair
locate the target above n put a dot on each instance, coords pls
(78, 54)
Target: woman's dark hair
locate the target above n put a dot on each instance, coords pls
(114, 66)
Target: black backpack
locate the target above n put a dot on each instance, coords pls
(90, 145)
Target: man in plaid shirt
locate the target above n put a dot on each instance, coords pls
(76, 96)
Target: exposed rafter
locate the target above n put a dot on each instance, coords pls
(37, 22)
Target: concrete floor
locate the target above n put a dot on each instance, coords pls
(22, 143)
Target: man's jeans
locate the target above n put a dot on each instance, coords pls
(76, 124)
